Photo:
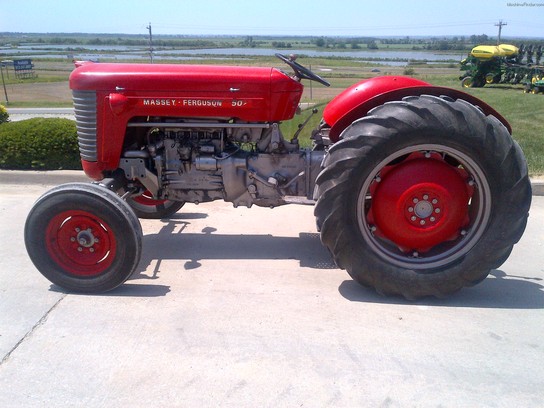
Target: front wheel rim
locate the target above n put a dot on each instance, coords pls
(432, 194)
(80, 243)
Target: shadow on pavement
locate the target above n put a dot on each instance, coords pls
(125, 290)
(172, 243)
(498, 290)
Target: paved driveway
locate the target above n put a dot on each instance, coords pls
(243, 308)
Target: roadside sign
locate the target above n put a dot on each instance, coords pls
(24, 68)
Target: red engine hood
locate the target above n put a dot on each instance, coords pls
(255, 94)
(173, 78)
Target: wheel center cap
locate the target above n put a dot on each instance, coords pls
(423, 209)
(86, 239)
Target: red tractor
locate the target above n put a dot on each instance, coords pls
(418, 190)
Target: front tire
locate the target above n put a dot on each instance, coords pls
(422, 197)
(83, 238)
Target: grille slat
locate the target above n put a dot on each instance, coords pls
(85, 112)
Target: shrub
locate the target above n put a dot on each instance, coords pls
(39, 144)
(4, 115)
(409, 71)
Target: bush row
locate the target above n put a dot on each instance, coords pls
(39, 144)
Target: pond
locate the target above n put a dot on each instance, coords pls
(138, 53)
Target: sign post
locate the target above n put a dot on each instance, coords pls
(4, 83)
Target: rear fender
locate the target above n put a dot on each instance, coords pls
(356, 101)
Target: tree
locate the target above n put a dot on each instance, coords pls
(372, 45)
(320, 42)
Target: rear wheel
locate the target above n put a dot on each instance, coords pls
(147, 207)
(423, 197)
(466, 82)
(83, 238)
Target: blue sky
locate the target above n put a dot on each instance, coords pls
(280, 17)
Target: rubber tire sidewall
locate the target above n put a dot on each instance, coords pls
(105, 205)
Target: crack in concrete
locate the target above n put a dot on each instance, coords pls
(31, 331)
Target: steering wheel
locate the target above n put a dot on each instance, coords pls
(302, 72)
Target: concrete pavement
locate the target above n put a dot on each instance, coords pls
(17, 114)
(55, 177)
(243, 307)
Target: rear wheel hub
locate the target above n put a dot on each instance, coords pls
(420, 203)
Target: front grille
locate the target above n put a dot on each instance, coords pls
(85, 111)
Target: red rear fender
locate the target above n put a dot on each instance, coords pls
(356, 101)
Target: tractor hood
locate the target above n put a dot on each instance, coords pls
(256, 94)
(90, 76)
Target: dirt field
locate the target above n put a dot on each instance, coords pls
(46, 92)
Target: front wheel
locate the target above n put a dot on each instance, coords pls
(83, 238)
(423, 197)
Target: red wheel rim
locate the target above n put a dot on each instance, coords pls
(420, 203)
(147, 199)
(80, 243)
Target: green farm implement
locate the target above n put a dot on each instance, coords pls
(503, 64)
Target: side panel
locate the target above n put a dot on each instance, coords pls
(357, 101)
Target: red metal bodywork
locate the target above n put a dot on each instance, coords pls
(252, 94)
(126, 91)
(356, 101)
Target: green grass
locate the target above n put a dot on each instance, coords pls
(522, 111)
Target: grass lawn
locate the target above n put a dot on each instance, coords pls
(523, 112)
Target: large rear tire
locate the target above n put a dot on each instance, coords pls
(422, 197)
(83, 238)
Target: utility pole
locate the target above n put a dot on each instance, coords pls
(500, 24)
(4, 82)
(150, 43)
